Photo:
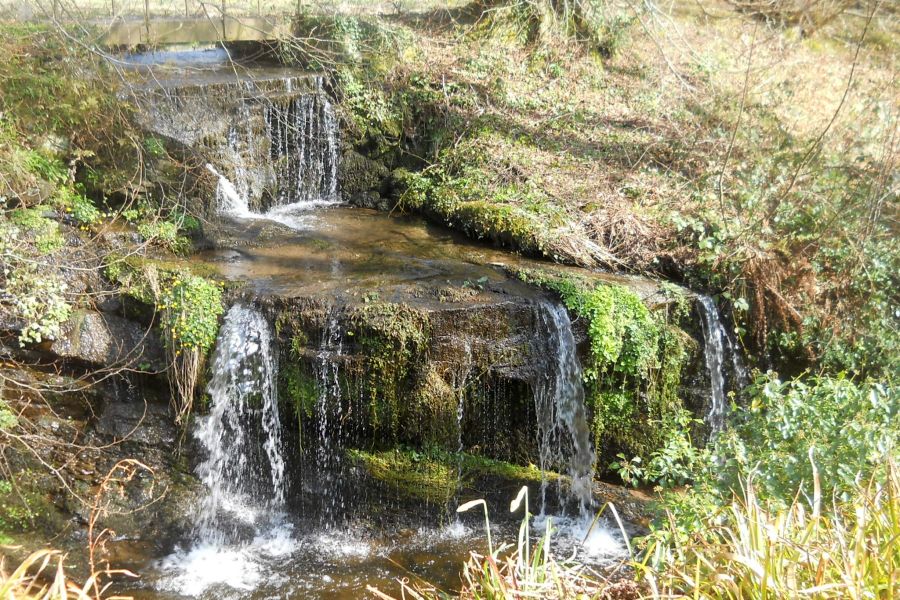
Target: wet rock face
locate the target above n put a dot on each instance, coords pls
(92, 339)
(450, 375)
(102, 339)
(92, 433)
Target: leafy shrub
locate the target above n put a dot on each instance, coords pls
(191, 306)
(164, 234)
(49, 169)
(850, 428)
(676, 462)
(76, 205)
(39, 302)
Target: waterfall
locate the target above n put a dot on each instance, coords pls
(242, 482)
(282, 154)
(716, 345)
(272, 143)
(564, 435)
(239, 520)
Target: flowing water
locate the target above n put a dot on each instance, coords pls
(718, 351)
(296, 150)
(564, 437)
(564, 440)
(308, 526)
(240, 519)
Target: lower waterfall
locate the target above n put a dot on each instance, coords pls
(564, 437)
(240, 518)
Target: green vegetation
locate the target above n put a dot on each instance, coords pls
(43, 231)
(682, 141)
(191, 304)
(632, 375)
(437, 475)
(812, 548)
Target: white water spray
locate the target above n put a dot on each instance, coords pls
(239, 520)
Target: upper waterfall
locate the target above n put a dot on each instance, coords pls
(272, 142)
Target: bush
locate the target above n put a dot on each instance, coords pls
(191, 307)
(851, 430)
(164, 234)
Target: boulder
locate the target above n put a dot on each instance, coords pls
(106, 340)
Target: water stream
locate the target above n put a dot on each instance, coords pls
(269, 526)
(239, 522)
(295, 152)
(564, 436)
(718, 350)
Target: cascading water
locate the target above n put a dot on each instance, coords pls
(329, 409)
(716, 345)
(282, 162)
(239, 518)
(303, 137)
(564, 437)
(563, 431)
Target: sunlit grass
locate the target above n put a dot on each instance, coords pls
(850, 549)
(42, 576)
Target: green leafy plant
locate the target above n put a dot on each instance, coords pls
(42, 231)
(40, 303)
(191, 306)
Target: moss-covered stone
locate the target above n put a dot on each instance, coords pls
(634, 364)
(437, 476)
(392, 338)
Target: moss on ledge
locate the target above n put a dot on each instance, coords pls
(436, 476)
(634, 366)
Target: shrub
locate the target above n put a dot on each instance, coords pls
(191, 306)
(164, 234)
(76, 205)
(850, 428)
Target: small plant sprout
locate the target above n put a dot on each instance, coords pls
(487, 522)
(524, 528)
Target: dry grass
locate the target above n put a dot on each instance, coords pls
(850, 550)
(42, 576)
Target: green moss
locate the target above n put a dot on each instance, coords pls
(436, 476)
(392, 338)
(22, 503)
(509, 216)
